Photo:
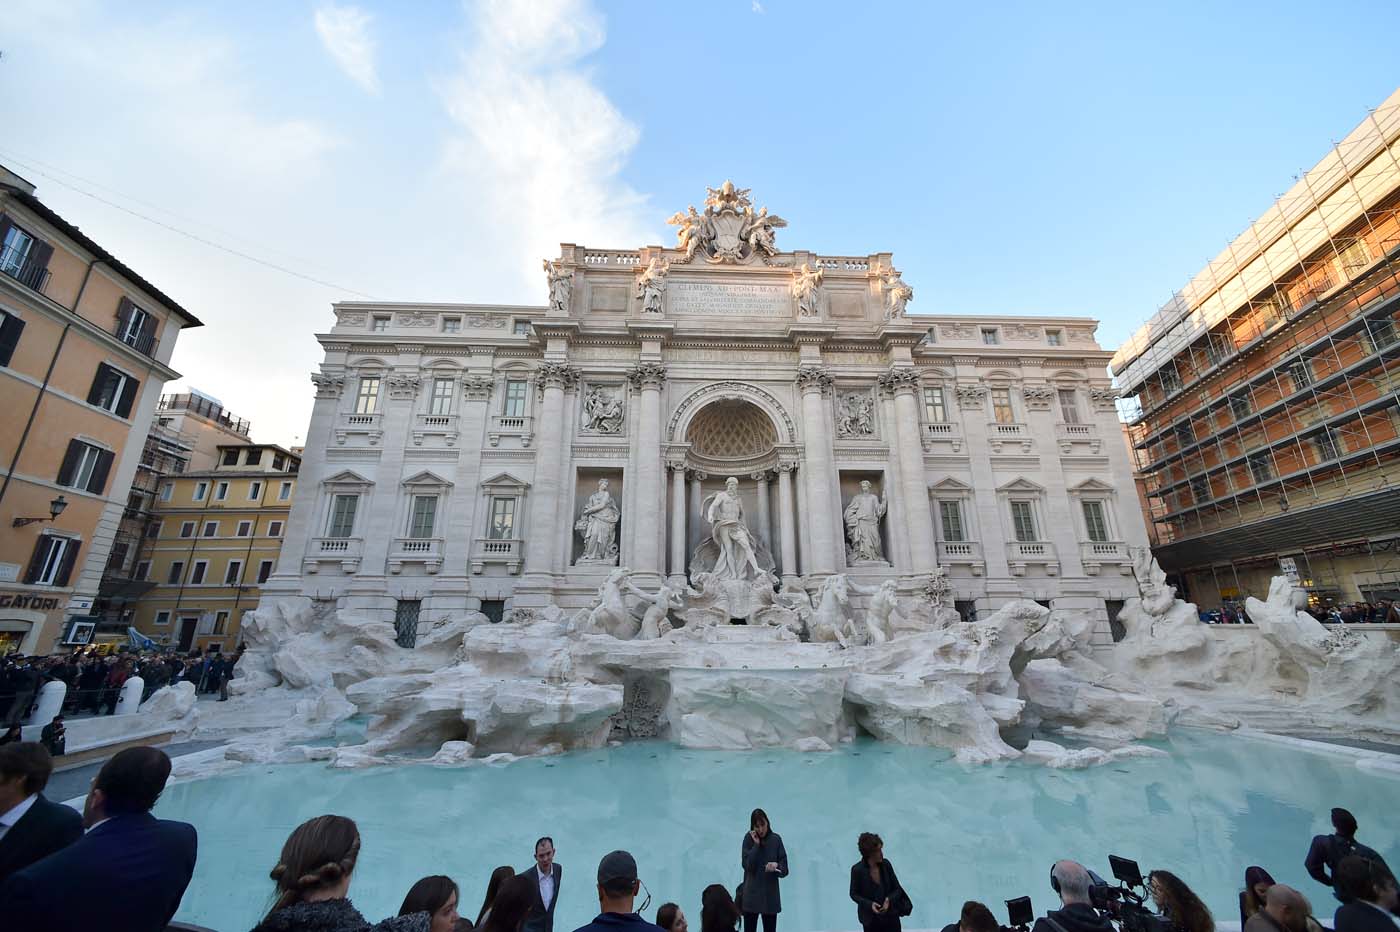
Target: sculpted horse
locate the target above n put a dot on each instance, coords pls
(609, 615)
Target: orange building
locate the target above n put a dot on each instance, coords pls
(1263, 399)
(85, 346)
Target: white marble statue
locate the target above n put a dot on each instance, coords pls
(855, 415)
(704, 602)
(832, 619)
(694, 230)
(602, 412)
(651, 286)
(758, 231)
(862, 517)
(561, 282)
(598, 526)
(806, 288)
(883, 617)
(897, 294)
(738, 554)
(1157, 596)
(939, 588)
(660, 603)
(609, 614)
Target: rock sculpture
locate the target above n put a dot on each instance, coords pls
(897, 294)
(705, 602)
(561, 283)
(806, 288)
(1157, 596)
(882, 617)
(602, 412)
(609, 614)
(862, 517)
(651, 286)
(855, 415)
(656, 621)
(598, 525)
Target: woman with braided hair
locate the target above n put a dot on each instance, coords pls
(313, 883)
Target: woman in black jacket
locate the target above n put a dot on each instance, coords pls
(764, 860)
(875, 888)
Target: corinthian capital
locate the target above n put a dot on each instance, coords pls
(556, 375)
(403, 385)
(477, 387)
(647, 375)
(813, 379)
(899, 379)
(328, 386)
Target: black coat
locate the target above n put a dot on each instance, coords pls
(135, 860)
(47, 827)
(539, 918)
(336, 916)
(1357, 916)
(866, 893)
(760, 886)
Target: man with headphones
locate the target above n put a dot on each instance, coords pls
(1071, 881)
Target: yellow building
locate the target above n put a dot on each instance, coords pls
(85, 348)
(213, 540)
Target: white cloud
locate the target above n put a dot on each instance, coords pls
(540, 147)
(344, 31)
(758, 7)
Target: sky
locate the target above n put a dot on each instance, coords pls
(258, 161)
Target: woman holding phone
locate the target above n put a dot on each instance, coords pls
(765, 861)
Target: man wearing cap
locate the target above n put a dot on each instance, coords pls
(617, 892)
(1327, 850)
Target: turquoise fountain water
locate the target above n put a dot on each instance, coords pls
(1216, 805)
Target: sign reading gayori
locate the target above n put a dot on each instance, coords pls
(748, 300)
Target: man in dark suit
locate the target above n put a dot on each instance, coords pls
(1369, 896)
(127, 874)
(1326, 851)
(546, 876)
(31, 827)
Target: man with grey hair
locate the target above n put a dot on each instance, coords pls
(1071, 881)
(1285, 910)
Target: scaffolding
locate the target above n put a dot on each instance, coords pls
(1262, 399)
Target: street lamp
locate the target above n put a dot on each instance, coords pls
(55, 509)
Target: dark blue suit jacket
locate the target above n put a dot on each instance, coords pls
(126, 875)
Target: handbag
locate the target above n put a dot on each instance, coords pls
(901, 904)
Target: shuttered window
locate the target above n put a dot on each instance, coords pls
(950, 516)
(113, 390)
(85, 467)
(52, 561)
(10, 329)
(424, 514)
(342, 521)
(1095, 523)
(1023, 521)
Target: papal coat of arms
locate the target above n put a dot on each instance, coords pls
(729, 230)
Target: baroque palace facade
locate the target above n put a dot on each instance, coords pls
(494, 458)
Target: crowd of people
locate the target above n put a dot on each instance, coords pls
(95, 680)
(117, 868)
(1382, 611)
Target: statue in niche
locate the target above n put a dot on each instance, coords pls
(831, 620)
(598, 526)
(651, 287)
(561, 283)
(862, 517)
(855, 415)
(897, 294)
(602, 412)
(656, 621)
(736, 554)
(806, 288)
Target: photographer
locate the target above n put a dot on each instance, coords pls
(1071, 881)
(1179, 906)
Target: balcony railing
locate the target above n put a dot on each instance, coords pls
(999, 433)
(365, 425)
(961, 553)
(425, 550)
(15, 263)
(144, 343)
(346, 551)
(1069, 434)
(435, 425)
(1095, 553)
(942, 431)
(510, 425)
(1023, 553)
(509, 551)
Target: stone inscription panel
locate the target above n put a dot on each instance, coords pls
(729, 298)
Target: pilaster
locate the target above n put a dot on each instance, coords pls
(814, 382)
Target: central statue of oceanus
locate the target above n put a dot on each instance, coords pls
(732, 550)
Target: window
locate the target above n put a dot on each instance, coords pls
(342, 521)
(1326, 443)
(1023, 520)
(162, 618)
(1240, 405)
(10, 329)
(367, 398)
(221, 491)
(1301, 374)
(1218, 348)
(85, 467)
(230, 458)
(153, 529)
(211, 529)
(197, 572)
(990, 336)
(245, 528)
(1200, 490)
(935, 411)
(1001, 406)
(278, 462)
(167, 489)
(253, 457)
(502, 519)
(1170, 378)
(233, 576)
(135, 327)
(254, 491)
(420, 522)
(201, 490)
(406, 622)
(1095, 521)
(52, 561)
(950, 517)
(264, 570)
(1354, 258)
(1069, 405)
(494, 610)
(1381, 330)
(1054, 337)
(379, 323)
(220, 625)
(930, 336)
(274, 529)
(15, 250)
(451, 325)
(521, 328)
(113, 390)
(23, 257)
(966, 609)
(1261, 467)
(187, 529)
(177, 570)
(515, 398)
(442, 396)
(143, 570)
(1185, 433)
(285, 492)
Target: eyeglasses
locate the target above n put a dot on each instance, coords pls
(647, 901)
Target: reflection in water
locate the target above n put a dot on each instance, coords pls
(1218, 804)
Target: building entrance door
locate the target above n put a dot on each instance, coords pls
(188, 627)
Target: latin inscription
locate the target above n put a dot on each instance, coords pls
(750, 300)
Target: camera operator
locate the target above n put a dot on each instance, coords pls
(1071, 881)
(1179, 905)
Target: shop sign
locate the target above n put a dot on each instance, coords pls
(35, 603)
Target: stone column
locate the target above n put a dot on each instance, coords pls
(678, 522)
(540, 546)
(814, 383)
(697, 520)
(923, 552)
(764, 529)
(787, 522)
(647, 378)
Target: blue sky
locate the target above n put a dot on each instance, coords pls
(1016, 158)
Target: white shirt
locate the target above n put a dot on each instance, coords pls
(8, 820)
(95, 824)
(546, 886)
